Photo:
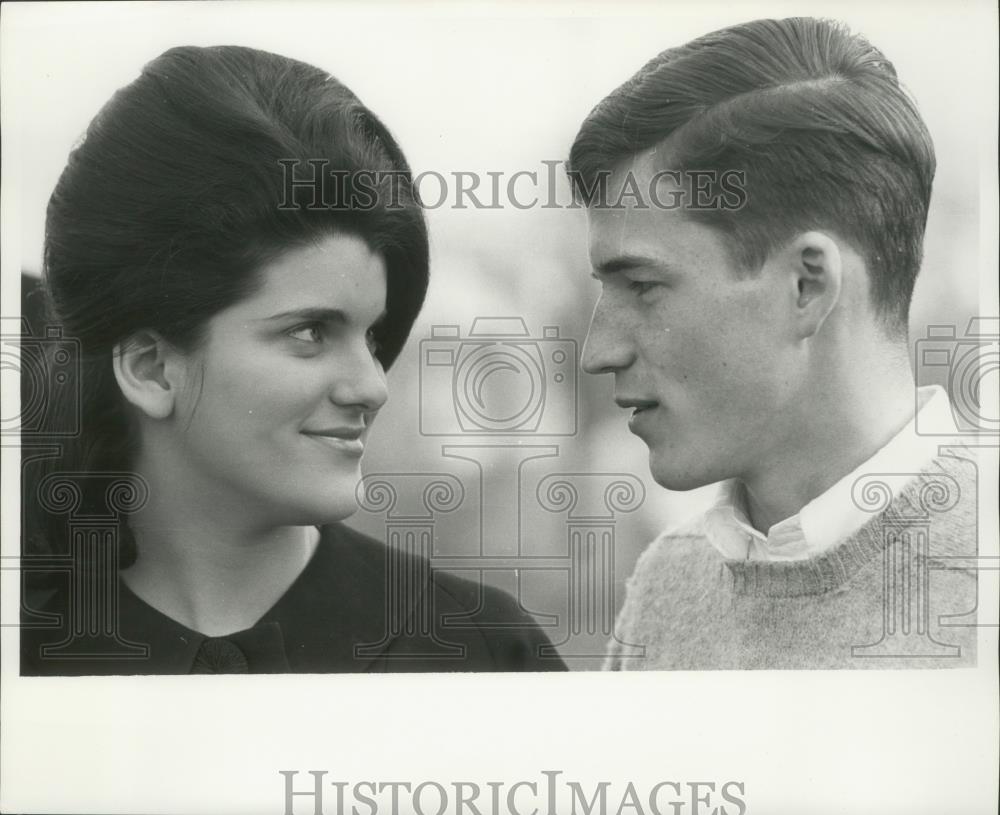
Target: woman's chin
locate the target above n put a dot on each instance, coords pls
(335, 509)
(315, 505)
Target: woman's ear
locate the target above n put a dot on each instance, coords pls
(817, 272)
(146, 368)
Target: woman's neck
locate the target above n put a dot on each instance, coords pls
(212, 571)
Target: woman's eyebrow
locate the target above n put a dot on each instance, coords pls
(320, 315)
(325, 315)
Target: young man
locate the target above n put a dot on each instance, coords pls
(756, 203)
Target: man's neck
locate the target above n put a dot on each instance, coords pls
(842, 430)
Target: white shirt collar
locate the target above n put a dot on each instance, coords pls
(832, 516)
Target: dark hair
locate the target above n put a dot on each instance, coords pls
(813, 115)
(175, 198)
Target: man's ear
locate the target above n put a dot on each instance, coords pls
(147, 373)
(817, 274)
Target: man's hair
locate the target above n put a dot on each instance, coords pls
(815, 118)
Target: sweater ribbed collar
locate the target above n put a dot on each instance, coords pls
(896, 514)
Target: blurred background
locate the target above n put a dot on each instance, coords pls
(467, 89)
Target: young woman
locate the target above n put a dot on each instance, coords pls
(234, 325)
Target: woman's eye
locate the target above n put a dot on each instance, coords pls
(311, 332)
(372, 338)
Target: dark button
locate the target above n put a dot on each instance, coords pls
(219, 656)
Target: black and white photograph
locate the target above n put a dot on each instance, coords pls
(622, 378)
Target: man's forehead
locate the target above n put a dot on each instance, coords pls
(617, 244)
(642, 184)
(629, 223)
(641, 167)
(655, 167)
(612, 237)
(651, 237)
(645, 209)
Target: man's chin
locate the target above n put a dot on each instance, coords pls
(676, 477)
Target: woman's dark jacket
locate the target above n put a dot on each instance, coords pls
(357, 606)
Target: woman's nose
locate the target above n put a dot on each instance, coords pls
(362, 383)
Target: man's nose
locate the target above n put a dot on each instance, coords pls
(608, 347)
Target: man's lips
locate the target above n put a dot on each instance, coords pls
(637, 405)
(640, 408)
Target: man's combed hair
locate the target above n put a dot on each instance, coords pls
(815, 118)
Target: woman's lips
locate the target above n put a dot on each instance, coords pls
(344, 440)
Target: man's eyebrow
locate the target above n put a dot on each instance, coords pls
(623, 263)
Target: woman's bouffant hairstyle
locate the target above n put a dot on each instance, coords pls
(179, 193)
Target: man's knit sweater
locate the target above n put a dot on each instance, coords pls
(692, 610)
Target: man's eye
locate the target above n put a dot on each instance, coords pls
(641, 286)
(310, 332)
